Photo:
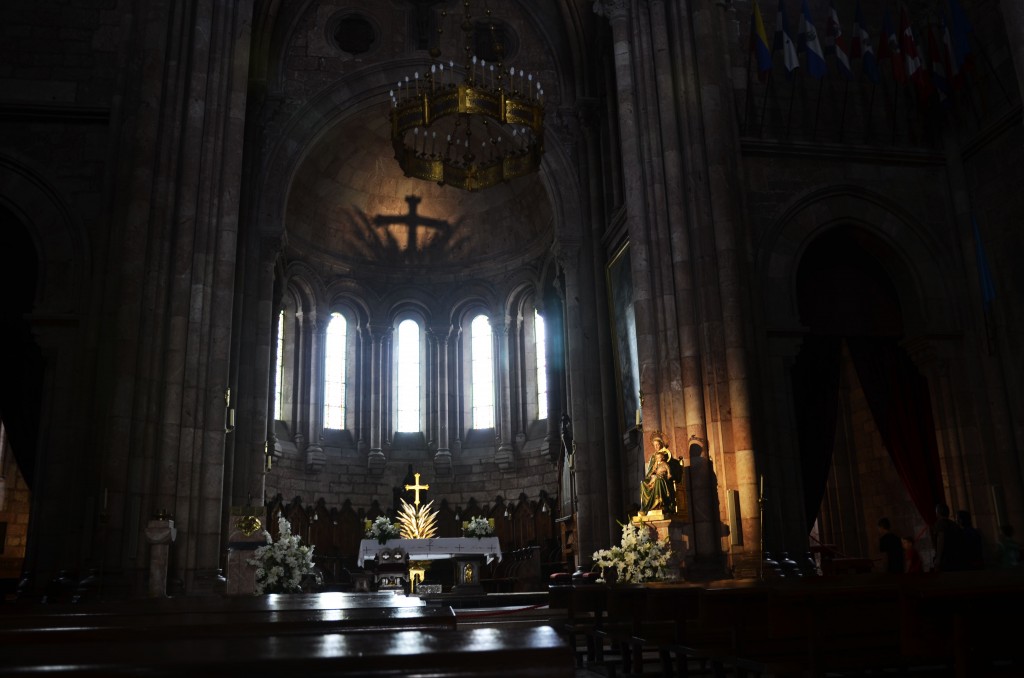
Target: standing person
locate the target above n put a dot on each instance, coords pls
(911, 558)
(1007, 548)
(949, 542)
(974, 550)
(889, 545)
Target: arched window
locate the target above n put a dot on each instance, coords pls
(279, 370)
(542, 365)
(407, 368)
(481, 373)
(334, 372)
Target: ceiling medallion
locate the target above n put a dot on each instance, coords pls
(472, 126)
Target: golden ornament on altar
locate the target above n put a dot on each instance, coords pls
(417, 522)
(248, 524)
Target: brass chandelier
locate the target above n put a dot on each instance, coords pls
(473, 126)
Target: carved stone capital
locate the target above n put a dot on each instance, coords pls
(316, 459)
(613, 9)
(443, 463)
(506, 458)
(376, 462)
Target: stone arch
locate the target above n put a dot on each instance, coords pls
(917, 269)
(42, 352)
(64, 256)
(356, 95)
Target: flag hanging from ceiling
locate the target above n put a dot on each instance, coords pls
(860, 47)
(835, 31)
(961, 30)
(940, 69)
(811, 44)
(911, 57)
(759, 44)
(889, 48)
(784, 41)
(959, 43)
(956, 78)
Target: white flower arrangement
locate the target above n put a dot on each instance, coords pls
(281, 565)
(639, 558)
(381, 529)
(478, 527)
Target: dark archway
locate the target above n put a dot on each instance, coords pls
(21, 361)
(852, 373)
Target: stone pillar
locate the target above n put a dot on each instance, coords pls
(1013, 16)
(316, 458)
(375, 460)
(719, 234)
(443, 456)
(506, 456)
(555, 369)
(160, 533)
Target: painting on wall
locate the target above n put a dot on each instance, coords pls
(619, 276)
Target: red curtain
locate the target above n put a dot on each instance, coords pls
(899, 401)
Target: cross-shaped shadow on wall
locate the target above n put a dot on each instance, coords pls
(410, 237)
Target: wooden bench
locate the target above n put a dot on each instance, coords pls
(18, 610)
(131, 627)
(504, 653)
(968, 620)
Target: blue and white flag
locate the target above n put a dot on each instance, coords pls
(811, 43)
(784, 42)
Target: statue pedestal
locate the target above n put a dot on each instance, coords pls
(246, 537)
(675, 529)
(160, 534)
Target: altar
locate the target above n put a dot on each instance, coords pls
(469, 553)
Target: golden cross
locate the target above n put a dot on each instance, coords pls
(417, 487)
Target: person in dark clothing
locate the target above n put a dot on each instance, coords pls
(890, 546)
(974, 549)
(948, 539)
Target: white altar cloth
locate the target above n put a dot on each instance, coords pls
(434, 549)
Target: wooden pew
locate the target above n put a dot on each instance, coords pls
(131, 627)
(200, 604)
(726, 611)
(504, 653)
(812, 627)
(669, 608)
(968, 620)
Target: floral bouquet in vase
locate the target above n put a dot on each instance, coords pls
(381, 529)
(281, 565)
(478, 527)
(640, 557)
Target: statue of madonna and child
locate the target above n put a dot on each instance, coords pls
(658, 487)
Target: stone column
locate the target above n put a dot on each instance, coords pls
(443, 456)
(316, 459)
(506, 456)
(1013, 16)
(160, 534)
(375, 460)
(555, 369)
(720, 234)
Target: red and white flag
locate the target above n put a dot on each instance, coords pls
(911, 58)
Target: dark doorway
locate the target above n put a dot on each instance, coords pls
(21, 361)
(867, 437)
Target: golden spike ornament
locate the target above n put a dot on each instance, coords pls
(417, 522)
